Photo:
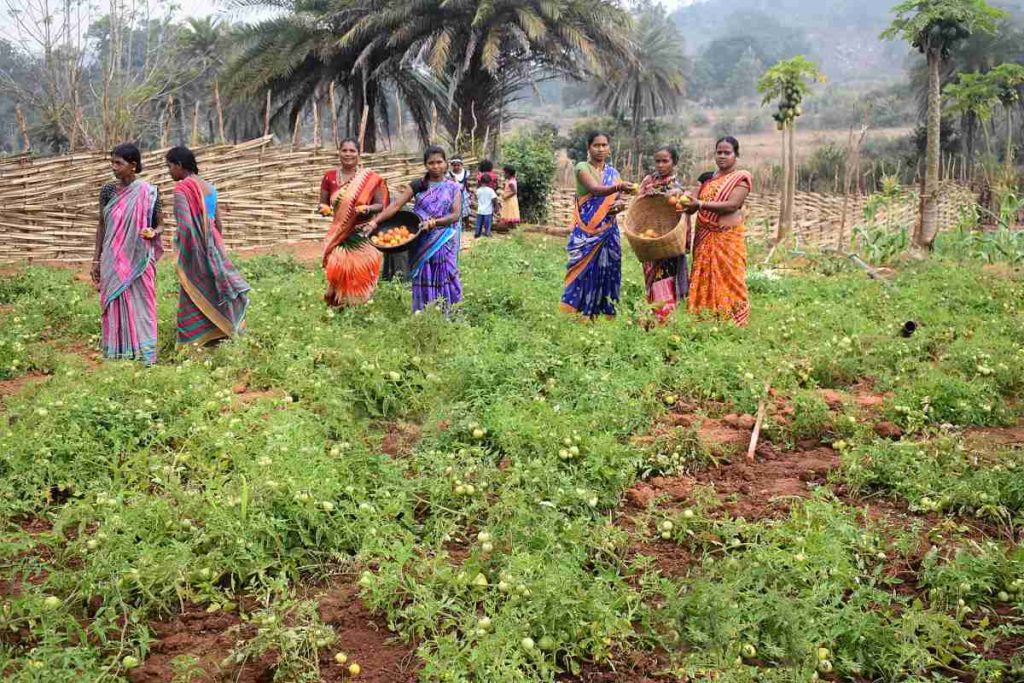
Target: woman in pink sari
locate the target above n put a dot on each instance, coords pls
(124, 263)
(213, 295)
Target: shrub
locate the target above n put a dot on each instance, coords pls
(533, 156)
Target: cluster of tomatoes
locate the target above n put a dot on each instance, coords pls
(392, 238)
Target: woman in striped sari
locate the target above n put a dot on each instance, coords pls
(594, 272)
(124, 264)
(665, 280)
(438, 203)
(213, 295)
(718, 280)
(351, 263)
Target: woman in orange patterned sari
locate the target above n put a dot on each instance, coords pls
(351, 263)
(718, 281)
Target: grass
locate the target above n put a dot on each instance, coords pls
(126, 492)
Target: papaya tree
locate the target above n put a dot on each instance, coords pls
(934, 28)
(786, 83)
(972, 96)
(1006, 80)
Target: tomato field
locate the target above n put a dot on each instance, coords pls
(512, 495)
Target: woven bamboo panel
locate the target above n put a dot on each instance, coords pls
(49, 207)
(818, 218)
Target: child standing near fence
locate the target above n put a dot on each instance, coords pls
(485, 200)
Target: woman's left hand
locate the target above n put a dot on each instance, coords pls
(148, 233)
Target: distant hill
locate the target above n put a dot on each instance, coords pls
(842, 35)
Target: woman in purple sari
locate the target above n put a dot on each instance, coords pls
(594, 272)
(124, 264)
(438, 203)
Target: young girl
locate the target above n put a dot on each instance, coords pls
(438, 203)
(510, 198)
(665, 280)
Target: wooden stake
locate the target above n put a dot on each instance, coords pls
(398, 109)
(165, 134)
(458, 134)
(362, 127)
(23, 127)
(297, 130)
(194, 139)
(316, 124)
(433, 123)
(762, 408)
(487, 136)
(334, 116)
(266, 117)
(220, 113)
(472, 132)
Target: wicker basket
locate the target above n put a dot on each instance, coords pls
(653, 212)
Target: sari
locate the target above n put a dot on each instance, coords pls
(718, 282)
(665, 281)
(128, 272)
(594, 272)
(352, 265)
(435, 270)
(212, 297)
(510, 203)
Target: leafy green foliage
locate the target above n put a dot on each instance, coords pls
(533, 156)
(232, 477)
(939, 25)
(788, 82)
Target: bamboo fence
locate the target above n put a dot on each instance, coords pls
(268, 194)
(818, 218)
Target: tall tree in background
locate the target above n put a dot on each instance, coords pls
(1006, 80)
(787, 83)
(478, 48)
(972, 96)
(653, 82)
(934, 27)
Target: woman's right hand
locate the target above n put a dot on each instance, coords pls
(368, 227)
(94, 273)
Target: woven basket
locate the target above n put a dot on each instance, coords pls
(653, 212)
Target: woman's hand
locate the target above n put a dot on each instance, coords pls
(618, 207)
(429, 224)
(148, 233)
(363, 210)
(628, 188)
(325, 210)
(691, 205)
(368, 228)
(94, 272)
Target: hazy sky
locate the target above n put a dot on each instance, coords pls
(194, 8)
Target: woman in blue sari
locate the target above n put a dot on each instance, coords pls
(594, 272)
(438, 203)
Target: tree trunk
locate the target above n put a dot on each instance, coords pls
(1008, 160)
(925, 239)
(780, 232)
(969, 123)
(791, 201)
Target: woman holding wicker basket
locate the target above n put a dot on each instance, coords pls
(666, 279)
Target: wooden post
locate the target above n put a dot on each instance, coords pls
(398, 109)
(165, 134)
(220, 113)
(458, 134)
(362, 127)
(266, 117)
(297, 129)
(334, 116)
(194, 139)
(316, 123)
(472, 132)
(23, 127)
(433, 123)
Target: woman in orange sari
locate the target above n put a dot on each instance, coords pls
(718, 281)
(351, 263)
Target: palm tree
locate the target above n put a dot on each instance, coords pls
(484, 51)
(788, 82)
(653, 82)
(934, 27)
